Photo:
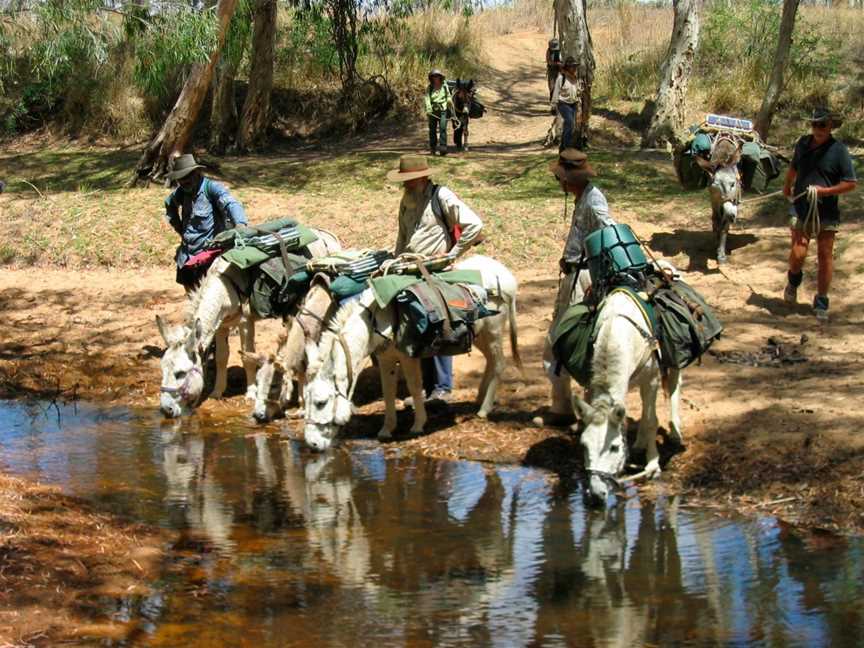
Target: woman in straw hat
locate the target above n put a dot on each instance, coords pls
(198, 209)
(439, 104)
(565, 99)
(590, 213)
(432, 222)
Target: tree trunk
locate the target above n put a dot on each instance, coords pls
(778, 73)
(174, 135)
(223, 115)
(256, 108)
(667, 116)
(572, 19)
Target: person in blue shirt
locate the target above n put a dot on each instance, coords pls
(198, 209)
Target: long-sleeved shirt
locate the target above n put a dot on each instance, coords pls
(200, 215)
(437, 100)
(422, 232)
(590, 214)
(565, 91)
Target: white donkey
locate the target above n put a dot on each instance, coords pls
(624, 356)
(361, 328)
(274, 382)
(213, 309)
(725, 190)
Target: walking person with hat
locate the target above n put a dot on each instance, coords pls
(820, 171)
(565, 99)
(198, 209)
(438, 103)
(590, 213)
(553, 66)
(433, 222)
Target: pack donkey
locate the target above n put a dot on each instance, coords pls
(212, 310)
(274, 381)
(725, 189)
(361, 328)
(624, 356)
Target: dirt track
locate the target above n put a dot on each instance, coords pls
(787, 429)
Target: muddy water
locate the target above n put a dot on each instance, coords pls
(280, 547)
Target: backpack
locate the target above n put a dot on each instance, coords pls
(453, 235)
(687, 324)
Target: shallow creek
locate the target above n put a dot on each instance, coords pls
(277, 546)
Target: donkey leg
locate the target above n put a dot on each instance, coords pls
(387, 367)
(721, 244)
(491, 348)
(673, 387)
(221, 340)
(247, 344)
(646, 438)
(414, 378)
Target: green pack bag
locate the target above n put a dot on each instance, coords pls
(572, 340)
(436, 318)
(611, 251)
(688, 325)
(271, 294)
(758, 167)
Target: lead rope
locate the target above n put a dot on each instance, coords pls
(812, 210)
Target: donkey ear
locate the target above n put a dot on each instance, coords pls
(163, 329)
(313, 360)
(194, 338)
(584, 410)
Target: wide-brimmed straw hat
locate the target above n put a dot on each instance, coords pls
(436, 72)
(826, 114)
(411, 167)
(572, 165)
(183, 166)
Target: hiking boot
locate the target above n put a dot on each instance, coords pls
(790, 295)
(439, 397)
(408, 403)
(820, 307)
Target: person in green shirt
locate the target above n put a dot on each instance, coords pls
(438, 103)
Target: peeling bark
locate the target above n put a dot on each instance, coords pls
(572, 19)
(175, 133)
(256, 108)
(778, 72)
(667, 117)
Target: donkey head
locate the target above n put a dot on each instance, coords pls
(182, 369)
(326, 397)
(604, 447)
(274, 387)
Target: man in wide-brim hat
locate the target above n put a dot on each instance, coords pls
(821, 168)
(591, 212)
(432, 222)
(439, 104)
(198, 209)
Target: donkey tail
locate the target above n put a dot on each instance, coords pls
(514, 332)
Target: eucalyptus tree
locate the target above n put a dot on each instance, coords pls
(778, 71)
(256, 108)
(667, 115)
(223, 113)
(176, 132)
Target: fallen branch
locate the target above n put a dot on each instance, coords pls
(35, 188)
(782, 500)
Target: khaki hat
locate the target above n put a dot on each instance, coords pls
(436, 72)
(183, 166)
(572, 164)
(410, 168)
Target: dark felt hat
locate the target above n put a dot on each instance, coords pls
(183, 166)
(824, 113)
(572, 165)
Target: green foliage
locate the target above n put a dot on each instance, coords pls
(171, 43)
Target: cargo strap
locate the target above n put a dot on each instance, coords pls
(447, 324)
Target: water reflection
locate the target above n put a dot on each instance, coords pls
(278, 547)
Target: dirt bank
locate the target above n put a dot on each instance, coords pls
(65, 569)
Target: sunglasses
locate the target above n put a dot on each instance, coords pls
(819, 124)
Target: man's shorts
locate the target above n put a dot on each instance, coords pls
(797, 223)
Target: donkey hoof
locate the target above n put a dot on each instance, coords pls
(722, 260)
(384, 435)
(483, 414)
